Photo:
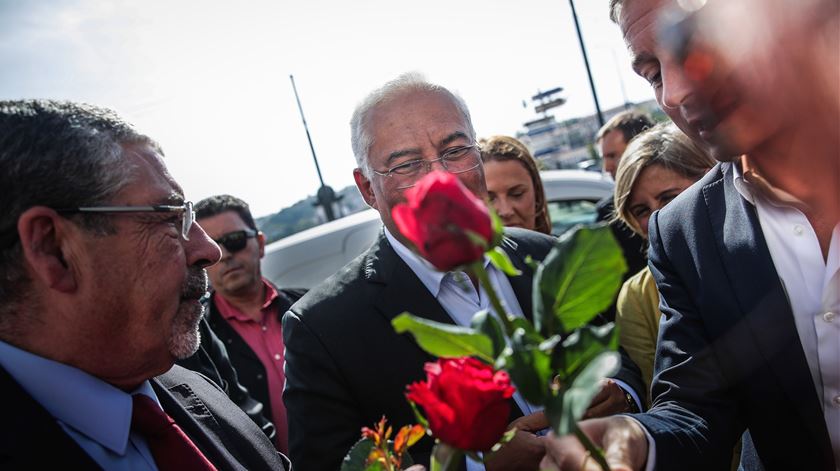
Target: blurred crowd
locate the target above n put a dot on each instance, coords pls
(137, 330)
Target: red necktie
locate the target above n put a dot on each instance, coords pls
(171, 447)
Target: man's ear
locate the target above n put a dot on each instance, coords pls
(261, 243)
(42, 232)
(365, 188)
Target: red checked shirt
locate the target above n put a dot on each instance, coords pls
(265, 337)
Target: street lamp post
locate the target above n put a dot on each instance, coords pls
(326, 195)
(586, 62)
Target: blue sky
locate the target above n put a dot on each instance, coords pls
(210, 79)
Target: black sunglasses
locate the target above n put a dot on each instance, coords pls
(235, 241)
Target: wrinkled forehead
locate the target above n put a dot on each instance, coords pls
(149, 173)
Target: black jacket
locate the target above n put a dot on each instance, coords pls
(729, 356)
(249, 368)
(30, 438)
(345, 365)
(212, 361)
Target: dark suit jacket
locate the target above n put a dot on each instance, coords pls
(729, 355)
(345, 365)
(212, 361)
(249, 369)
(30, 438)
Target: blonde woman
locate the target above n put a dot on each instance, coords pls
(656, 167)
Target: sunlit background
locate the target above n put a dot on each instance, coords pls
(210, 79)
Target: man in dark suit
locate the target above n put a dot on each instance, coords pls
(101, 275)
(747, 261)
(245, 309)
(345, 365)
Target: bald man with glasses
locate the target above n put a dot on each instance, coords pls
(345, 365)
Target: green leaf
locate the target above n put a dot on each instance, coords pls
(421, 419)
(577, 397)
(357, 456)
(476, 239)
(577, 280)
(529, 367)
(486, 323)
(579, 348)
(499, 258)
(445, 340)
(498, 227)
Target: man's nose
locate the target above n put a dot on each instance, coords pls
(677, 87)
(201, 250)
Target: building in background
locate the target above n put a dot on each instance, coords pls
(565, 144)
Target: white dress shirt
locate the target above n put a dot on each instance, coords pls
(812, 285)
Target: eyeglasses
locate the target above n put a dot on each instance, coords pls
(455, 160)
(186, 209)
(235, 241)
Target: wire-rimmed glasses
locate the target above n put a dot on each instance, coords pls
(455, 160)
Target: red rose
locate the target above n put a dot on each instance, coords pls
(439, 213)
(465, 401)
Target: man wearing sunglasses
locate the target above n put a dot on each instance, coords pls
(245, 309)
(101, 276)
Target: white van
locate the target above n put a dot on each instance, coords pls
(309, 257)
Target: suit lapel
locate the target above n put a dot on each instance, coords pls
(522, 284)
(28, 429)
(401, 289)
(761, 297)
(195, 419)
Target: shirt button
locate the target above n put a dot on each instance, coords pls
(829, 316)
(798, 230)
(836, 401)
(277, 356)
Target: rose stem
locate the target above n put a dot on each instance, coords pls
(593, 450)
(478, 270)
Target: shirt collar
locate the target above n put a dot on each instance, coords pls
(431, 278)
(229, 311)
(751, 185)
(75, 398)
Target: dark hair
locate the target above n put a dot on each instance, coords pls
(219, 204)
(56, 154)
(502, 148)
(630, 123)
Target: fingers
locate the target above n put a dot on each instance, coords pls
(621, 438)
(531, 422)
(611, 401)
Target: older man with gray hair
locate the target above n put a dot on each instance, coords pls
(101, 272)
(345, 365)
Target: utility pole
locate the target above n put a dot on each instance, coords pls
(326, 195)
(586, 62)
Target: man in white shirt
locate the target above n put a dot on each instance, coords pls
(345, 365)
(747, 260)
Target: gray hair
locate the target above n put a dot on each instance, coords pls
(360, 134)
(664, 145)
(615, 10)
(59, 155)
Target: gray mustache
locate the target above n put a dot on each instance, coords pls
(196, 284)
